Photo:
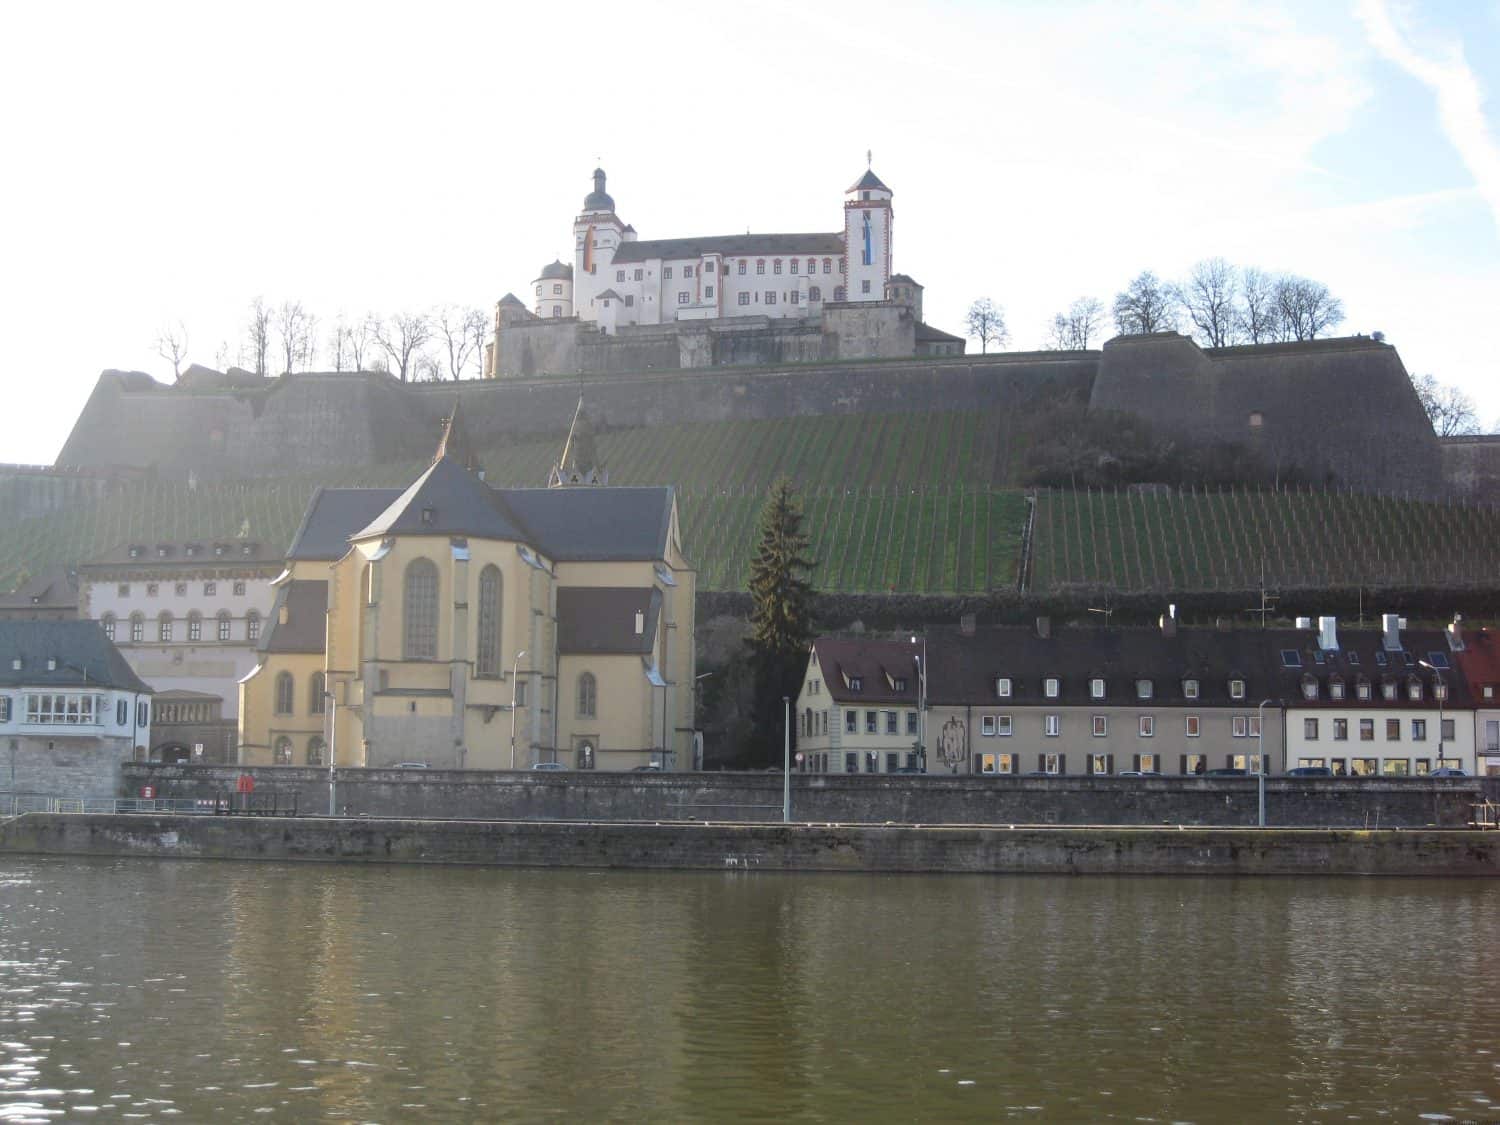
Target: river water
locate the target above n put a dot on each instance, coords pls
(155, 990)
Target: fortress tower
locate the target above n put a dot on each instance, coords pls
(867, 237)
(554, 290)
(597, 234)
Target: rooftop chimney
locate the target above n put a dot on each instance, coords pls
(1455, 633)
(1390, 629)
(640, 623)
(1168, 622)
(1044, 627)
(1328, 634)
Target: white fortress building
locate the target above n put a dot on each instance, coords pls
(697, 302)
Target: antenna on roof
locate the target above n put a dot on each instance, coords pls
(1108, 612)
(1267, 601)
(869, 159)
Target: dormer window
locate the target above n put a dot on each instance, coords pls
(1489, 691)
(1051, 687)
(162, 552)
(1309, 687)
(1362, 691)
(219, 550)
(1414, 689)
(1143, 689)
(1335, 688)
(135, 552)
(1352, 657)
(856, 683)
(1096, 688)
(1440, 691)
(898, 683)
(1388, 690)
(1190, 688)
(1236, 689)
(427, 516)
(1002, 687)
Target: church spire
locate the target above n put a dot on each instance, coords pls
(579, 463)
(455, 443)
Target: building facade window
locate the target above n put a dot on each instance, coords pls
(770, 296)
(776, 266)
(1192, 726)
(987, 725)
(252, 626)
(137, 628)
(316, 751)
(1367, 730)
(1236, 689)
(1341, 730)
(1051, 686)
(1052, 725)
(891, 722)
(1393, 730)
(224, 625)
(1096, 688)
(210, 589)
(239, 589)
(1419, 730)
(851, 722)
(1310, 729)
(195, 626)
(864, 286)
(588, 696)
(1101, 726)
(1143, 689)
(872, 722)
(107, 623)
(419, 617)
(284, 693)
(744, 298)
(1190, 689)
(682, 297)
(317, 693)
(487, 656)
(838, 293)
(760, 266)
(1147, 726)
(814, 293)
(911, 722)
(164, 627)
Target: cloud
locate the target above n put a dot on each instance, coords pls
(1459, 96)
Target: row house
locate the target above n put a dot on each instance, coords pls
(1170, 700)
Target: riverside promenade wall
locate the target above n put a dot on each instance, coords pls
(764, 847)
(901, 799)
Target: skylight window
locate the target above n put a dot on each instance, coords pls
(1291, 658)
(1438, 659)
(1352, 657)
(1380, 657)
(1408, 657)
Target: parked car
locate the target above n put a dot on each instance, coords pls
(410, 766)
(1449, 771)
(549, 766)
(908, 769)
(651, 768)
(1138, 773)
(1309, 771)
(1228, 771)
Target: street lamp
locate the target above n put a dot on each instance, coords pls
(1439, 689)
(333, 730)
(786, 762)
(921, 661)
(1260, 753)
(514, 671)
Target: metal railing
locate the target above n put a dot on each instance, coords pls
(225, 804)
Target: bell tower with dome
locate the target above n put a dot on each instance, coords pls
(597, 234)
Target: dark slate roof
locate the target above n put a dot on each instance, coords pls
(445, 500)
(333, 515)
(602, 523)
(1359, 657)
(186, 556)
(906, 277)
(601, 619)
(304, 630)
(877, 665)
(48, 591)
(869, 182)
(926, 333)
(557, 270)
(730, 244)
(511, 299)
(963, 669)
(83, 653)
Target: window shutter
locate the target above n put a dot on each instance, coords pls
(1182, 763)
(1109, 763)
(1062, 763)
(1041, 761)
(1135, 761)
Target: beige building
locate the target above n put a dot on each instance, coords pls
(455, 625)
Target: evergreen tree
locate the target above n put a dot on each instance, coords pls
(780, 620)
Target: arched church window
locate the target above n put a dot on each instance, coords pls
(317, 689)
(284, 690)
(107, 623)
(195, 626)
(252, 626)
(760, 265)
(164, 626)
(588, 693)
(316, 750)
(137, 628)
(420, 611)
(225, 625)
(827, 265)
(487, 658)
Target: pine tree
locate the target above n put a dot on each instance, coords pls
(780, 619)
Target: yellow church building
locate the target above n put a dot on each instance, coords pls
(454, 625)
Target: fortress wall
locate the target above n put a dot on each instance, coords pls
(26, 491)
(1471, 467)
(875, 329)
(1342, 411)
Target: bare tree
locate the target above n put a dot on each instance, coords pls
(426, 369)
(356, 341)
(1305, 308)
(1209, 297)
(1144, 306)
(172, 345)
(462, 332)
(481, 330)
(402, 337)
(1259, 322)
(258, 336)
(295, 329)
(1072, 330)
(986, 323)
(1450, 410)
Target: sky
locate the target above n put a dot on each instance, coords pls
(167, 164)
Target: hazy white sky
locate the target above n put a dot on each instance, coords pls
(171, 162)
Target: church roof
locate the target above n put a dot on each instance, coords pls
(511, 299)
(869, 182)
(558, 269)
(334, 514)
(670, 249)
(306, 605)
(601, 619)
(605, 524)
(445, 500)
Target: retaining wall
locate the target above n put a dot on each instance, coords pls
(854, 848)
(900, 799)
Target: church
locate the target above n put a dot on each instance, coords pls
(455, 625)
(752, 298)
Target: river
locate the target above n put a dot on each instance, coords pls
(160, 990)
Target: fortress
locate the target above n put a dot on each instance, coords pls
(628, 304)
(1341, 412)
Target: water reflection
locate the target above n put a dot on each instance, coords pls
(192, 989)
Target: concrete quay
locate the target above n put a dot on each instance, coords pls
(819, 847)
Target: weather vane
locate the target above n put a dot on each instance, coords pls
(869, 159)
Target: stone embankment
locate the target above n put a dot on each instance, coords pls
(974, 849)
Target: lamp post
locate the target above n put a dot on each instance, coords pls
(786, 761)
(1260, 753)
(1439, 689)
(514, 671)
(333, 731)
(921, 660)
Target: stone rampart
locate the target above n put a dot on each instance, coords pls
(904, 799)
(764, 848)
(1471, 466)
